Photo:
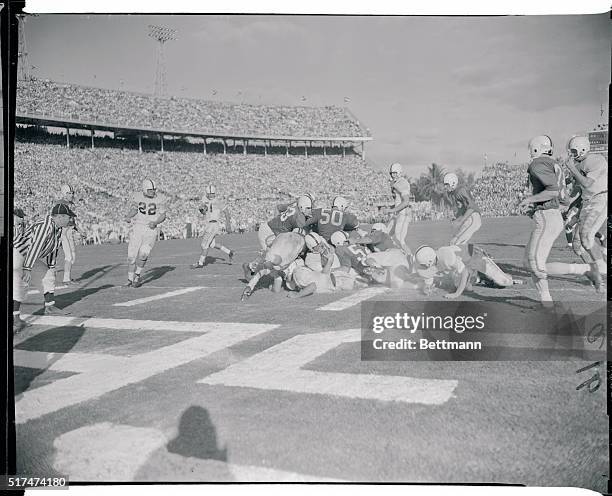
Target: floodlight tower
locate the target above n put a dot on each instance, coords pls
(22, 53)
(161, 34)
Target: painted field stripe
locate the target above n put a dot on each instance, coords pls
(353, 299)
(66, 362)
(115, 452)
(36, 291)
(92, 384)
(162, 296)
(279, 368)
(137, 325)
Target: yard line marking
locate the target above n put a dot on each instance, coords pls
(35, 403)
(66, 362)
(36, 291)
(137, 325)
(353, 299)
(279, 368)
(169, 294)
(116, 452)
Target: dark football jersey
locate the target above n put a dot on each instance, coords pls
(287, 221)
(327, 221)
(353, 256)
(463, 200)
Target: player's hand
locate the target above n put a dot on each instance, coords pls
(26, 277)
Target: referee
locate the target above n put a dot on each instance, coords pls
(37, 246)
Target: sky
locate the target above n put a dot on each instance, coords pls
(451, 90)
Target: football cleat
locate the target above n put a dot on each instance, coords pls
(196, 265)
(246, 294)
(53, 310)
(597, 281)
(19, 325)
(231, 257)
(129, 284)
(137, 282)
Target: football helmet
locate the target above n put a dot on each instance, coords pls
(425, 256)
(304, 205)
(578, 147)
(451, 180)
(210, 190)
(147, 186)
(395, 169)
(340, 203)
(313, 240)
(540, 145)
(339, 238)
(379, 226)
(66, 189)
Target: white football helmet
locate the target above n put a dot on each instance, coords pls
(451, 180)
(340, 203)
(395, 169)
(579, 146)
(66, 189)
(304, 205)
(425, 256)
(378, 226)
(313, 240)
(147, 186)
(540, 145)
(339, 238)
(210, 190)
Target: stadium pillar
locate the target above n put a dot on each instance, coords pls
(67, 137)
(161, 139)
(205, 151)
(363, 150)
(224, 147)
(92, 139)
(324, 150)
(140, 143)
(287, 148)
(265, 149)
(305, 148)
(246, 143)
(343, 150)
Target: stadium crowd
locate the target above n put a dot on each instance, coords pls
(498, 187)
(115, 107)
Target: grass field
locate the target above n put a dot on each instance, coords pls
(180, 381)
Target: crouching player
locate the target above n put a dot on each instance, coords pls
(462, 264)
(285, 248)
(148, 209)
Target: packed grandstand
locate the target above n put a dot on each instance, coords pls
(105, 176)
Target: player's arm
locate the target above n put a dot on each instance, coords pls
(131, 212)
(462, 284)
(302, 293)
(403, 205)
(585, 181)
(350, 222)
(548, 178)
(316, 216)
(329, 261)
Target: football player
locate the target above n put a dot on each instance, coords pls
(467, 216)
(354, 257)
(39, 241)
(148, 211)
(68, 233)
(327, 221)
(19, 223)
(590, 171)
(400, 189)
(547, 182)
(211, 209)
(285, 248)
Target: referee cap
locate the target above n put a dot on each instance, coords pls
(62, 208)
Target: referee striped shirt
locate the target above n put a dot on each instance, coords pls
(39, 240)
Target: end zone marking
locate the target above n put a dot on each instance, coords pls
(36, 291)
(66, 362)
(169, 294)
(279, 368)
(353, 299)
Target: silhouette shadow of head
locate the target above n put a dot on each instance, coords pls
(197, 436)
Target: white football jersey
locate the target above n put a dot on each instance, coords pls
(594, 167)
(400, 189)
(149, 209)
(214, 208)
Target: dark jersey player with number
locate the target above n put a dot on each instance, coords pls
(327, 220)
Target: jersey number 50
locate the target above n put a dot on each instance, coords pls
(333, 217)
(142, 208)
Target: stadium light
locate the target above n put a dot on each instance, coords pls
(161, 34)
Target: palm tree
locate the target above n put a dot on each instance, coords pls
(431, 185)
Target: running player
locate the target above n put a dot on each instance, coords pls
(37, 242)
(148, 209)
(467, 215)
(400, 189)
(590, 171)
(68, 233)
(212, 209)
(547, 182)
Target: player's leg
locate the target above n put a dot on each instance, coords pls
(48, 287)
(19, 290)
(590, 222)
(132, 252)
(223, 249)
(467, 229)
(208, 239)
(69, 248)
(148, 242)
(401, 232)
